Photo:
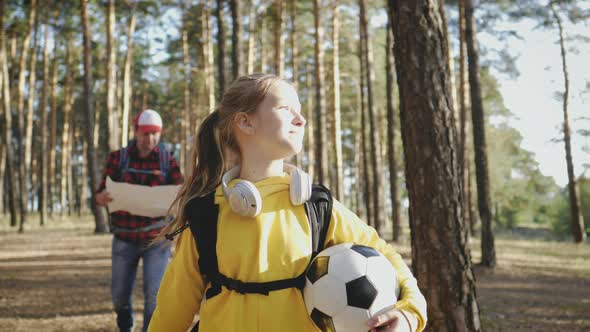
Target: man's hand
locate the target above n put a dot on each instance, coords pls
(103, 197)
(392, 320)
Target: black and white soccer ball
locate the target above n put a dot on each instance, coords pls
(347, 284)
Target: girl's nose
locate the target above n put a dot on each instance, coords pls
(299, 120)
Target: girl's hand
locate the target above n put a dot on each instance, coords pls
(392, 320)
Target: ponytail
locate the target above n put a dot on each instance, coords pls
(206, 169)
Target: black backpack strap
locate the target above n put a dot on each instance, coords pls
(319, 213)
(202, 216)
(164, 161)
(124, 160)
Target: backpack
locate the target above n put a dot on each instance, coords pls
(164, 162)
(202, 215)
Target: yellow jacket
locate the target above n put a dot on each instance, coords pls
(272, 246)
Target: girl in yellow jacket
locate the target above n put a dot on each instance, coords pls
(262, 233)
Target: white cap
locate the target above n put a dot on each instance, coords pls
(148, 120)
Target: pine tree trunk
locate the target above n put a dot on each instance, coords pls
(65, 132)
(236, 38)
(251, 39)
(440, 258)
(208, 55)
(321, 153)
(2, 167)
(577, 220)
(263, 49)
(279, 58)
(463, 155)
(43, 183)
(310, 126)
(30, 170)
(185, 125)
(7, 128)
(336, 132)
(51, 178)
(111, 81)
(220, 48)
(391, 134)
(99, 215)
(20, 127)
(70, 175)
(376, 188)
(366, 183)
(127, 86)
(488, 251)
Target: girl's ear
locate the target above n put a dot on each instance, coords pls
(244, 124)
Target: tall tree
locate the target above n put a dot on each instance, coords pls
(310, 126)
(67, 123)
(53, 123)
(488, 251)
(236, 37)
(99, 215)
(20, 127)
(391, 133)
(5, 86)
(364, 144)
(208, 55)
(127, 86)
(336, 130)
(30, 171)
(577, 220)
(111, 81)
(251, 38)
(220, 48)
(321, 155)
(279, 58)
(440, 257)
(43, 180)
(377, 187)
(185, 124)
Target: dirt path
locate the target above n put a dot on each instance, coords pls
(59, 280)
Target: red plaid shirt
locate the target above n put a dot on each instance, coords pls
(123, 219)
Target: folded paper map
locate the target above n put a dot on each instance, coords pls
(141, 200)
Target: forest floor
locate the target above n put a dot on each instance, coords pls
(57, 278)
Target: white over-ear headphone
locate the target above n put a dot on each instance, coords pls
(245, 199)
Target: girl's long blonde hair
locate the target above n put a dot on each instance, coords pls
(214, 143)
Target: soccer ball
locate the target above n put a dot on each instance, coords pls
(347, 284)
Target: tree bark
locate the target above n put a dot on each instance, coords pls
(577, 220)
(279, 58)
(185, 124)
(336, 130)
(376, 171)
(20, 127)
(127, 86)
(321, 154)
(310, 126)
(294, 62)
(440, 258)
(366, 183)
(220, 48)
(30, 170)
(488, 251)
(65, 132)
(251, 39)
(391, 134)
(53, 124)
(99, 215)
(7, 129)
(111, 81)
(236, 38)
(208, 55)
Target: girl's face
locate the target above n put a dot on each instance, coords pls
(278, 123)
